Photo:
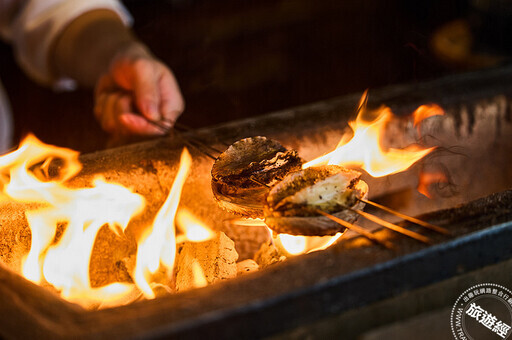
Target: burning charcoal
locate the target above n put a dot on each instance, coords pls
(268, 255)
(293, 204)
(14, 233)
(201, 263)
(246, 266)
(242, 175)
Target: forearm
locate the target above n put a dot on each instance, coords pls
(86, 47)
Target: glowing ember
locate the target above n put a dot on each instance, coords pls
(364, 149)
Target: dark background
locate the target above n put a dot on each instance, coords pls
(236, 59)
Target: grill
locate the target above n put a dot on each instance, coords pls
(344, 286)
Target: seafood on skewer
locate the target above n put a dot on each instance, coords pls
(243, 174)
(292, 204)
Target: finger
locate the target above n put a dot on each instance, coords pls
(109, 114)
(131, 122)
(137, 125)
(146, 91)
(171, 104)
(105, 84)
(99, 103)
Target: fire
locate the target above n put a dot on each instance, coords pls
(199, 279)
(428, 178)
(65, 226)
(364, 149)
(21, 184)
(64, 263)
(66, 223)
(426, 111)
(297, 245)
(158, 245)
(291, 245)
(192, 228)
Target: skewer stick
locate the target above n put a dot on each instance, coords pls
(357, 229)
(392, 226)
(258, 182)
(185, 128)
(191, 142)
(427, 225)
(163, 127)
(199, 143)
(372, 218)
(194, 146)
(195, 140)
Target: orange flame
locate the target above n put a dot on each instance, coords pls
(199, 279)
(291, 245)
(158, 245)
(18, 182)
(297, 245)
(425, 111)
(428, 178)
(364, 149)
(192, 228)
(63, 261)
(82, 212)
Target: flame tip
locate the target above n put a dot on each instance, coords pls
(364, 148)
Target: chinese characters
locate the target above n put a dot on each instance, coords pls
(488, 320)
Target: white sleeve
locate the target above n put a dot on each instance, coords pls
(39, 23)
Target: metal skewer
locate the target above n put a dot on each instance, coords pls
(199, 145)
(427, 225)
(191, 142)
(357, 229)
(185, 128)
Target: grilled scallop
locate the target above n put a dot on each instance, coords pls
(293, 203)
(242, 175)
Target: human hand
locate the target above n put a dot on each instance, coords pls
(137, 89)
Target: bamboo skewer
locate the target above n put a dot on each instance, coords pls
(258, 182)
(408, 218)
(357, 229)
(392, 226)
(370, 217)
